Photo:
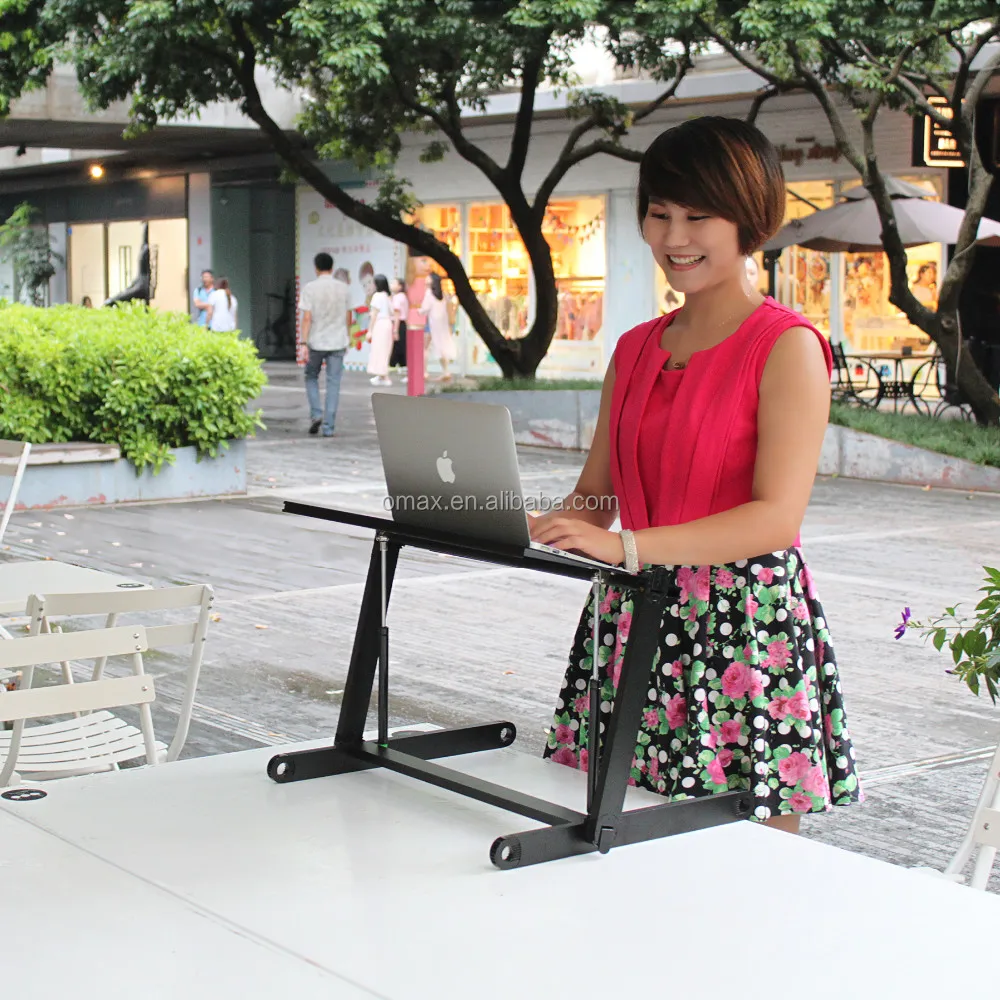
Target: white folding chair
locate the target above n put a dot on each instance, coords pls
(42, 609)
(983, 833)
(84, 743)
(13, 459)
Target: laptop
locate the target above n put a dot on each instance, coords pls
(452, 466)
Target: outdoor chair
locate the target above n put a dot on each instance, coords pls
(13, 459)
(855, 380)
(983, 833)
(83, 743)
(101, 741)
(934, 393)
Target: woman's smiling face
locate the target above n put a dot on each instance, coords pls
(695, 250)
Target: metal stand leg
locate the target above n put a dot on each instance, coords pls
(567, 832)
(383, 655)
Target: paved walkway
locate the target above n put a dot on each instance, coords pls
(921, 737)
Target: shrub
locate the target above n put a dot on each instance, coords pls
(144, 380)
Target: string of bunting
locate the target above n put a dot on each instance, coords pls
(581, 233)
(563, 230)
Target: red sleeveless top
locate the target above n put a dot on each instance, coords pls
(684, 443)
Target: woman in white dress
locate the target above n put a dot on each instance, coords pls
(435, 309)
(400, 310)
(221, 311)
(381, 332)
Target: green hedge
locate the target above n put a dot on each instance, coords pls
(145, 380)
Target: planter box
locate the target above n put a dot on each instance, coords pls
(549, 418)
(856, 455)
(74, 475)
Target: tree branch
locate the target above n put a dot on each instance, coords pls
(570, 156)
(771, 90)
(451, 126)
(815, 86)
(521, 138)
(738, 55)
(982, 78)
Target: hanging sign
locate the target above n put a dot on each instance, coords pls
(933, 144)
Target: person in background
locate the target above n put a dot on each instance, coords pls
(201, 294)
(326, 316)
(400, 312)
(380, 331)
(435, 309)
(86, 303)
(221, 308)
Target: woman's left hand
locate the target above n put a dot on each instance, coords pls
(572, 534)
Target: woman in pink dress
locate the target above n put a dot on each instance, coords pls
(707, 443)
(381, 332)
(435, 308)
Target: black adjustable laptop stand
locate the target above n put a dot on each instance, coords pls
(604, 825)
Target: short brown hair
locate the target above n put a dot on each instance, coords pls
(721, 166)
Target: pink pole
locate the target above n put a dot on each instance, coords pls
(415, 362)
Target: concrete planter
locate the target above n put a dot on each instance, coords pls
(566, 418)
(75, 475)
(550, 418)
(857, 455)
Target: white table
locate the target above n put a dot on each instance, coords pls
(19, 580)
(386, 884)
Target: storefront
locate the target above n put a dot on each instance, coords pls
(606, 278)
(103, 259)
(500, 273)
(846, 295)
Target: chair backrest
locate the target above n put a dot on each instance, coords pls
(13, 459)
(42, 608)
(839, 358)
(63, 699)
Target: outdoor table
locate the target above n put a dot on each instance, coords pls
(205, 878)
(19, 580)
(898, 387)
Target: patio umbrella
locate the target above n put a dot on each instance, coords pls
(853, 225)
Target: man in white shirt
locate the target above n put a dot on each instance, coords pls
(326, 317)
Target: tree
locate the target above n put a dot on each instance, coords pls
(876, 55)
(28, 248)
(371, 70)
(25, 49)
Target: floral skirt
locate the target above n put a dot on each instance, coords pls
(743, 690)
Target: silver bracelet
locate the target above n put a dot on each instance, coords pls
(631, 552)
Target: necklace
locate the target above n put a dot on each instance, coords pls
(676, 366)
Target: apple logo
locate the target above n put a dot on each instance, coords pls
(445, 471)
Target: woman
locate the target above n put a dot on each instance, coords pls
(380, 331)
(221, 311)
(435, 309)
(400, 310)
(708, 437)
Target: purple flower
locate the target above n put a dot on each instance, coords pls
(901, 627)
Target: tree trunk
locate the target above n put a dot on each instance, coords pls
(961, 366)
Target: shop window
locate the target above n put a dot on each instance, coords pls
(499, 268)
(804, 278)
(575, 232)
(104, 260)
(871, 322)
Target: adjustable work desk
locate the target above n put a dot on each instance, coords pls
(567, 831)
